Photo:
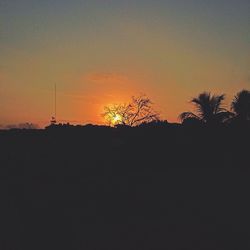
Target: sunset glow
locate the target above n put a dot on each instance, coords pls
(116, 119)
(100, 52)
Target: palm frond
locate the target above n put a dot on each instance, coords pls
(183, 116)
(203, 105)
(223, 116)
(217, 103)
(241, 104)
(207, 106)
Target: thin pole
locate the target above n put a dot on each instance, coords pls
(55, 101)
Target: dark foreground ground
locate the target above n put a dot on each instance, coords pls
(98, 188)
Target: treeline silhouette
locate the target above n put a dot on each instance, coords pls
(156, 185)
(210, 111)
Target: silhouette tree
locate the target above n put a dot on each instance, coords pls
(209, 109)
(241, 105)
(155, 124)
(138, 111)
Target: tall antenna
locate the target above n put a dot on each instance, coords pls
(55, 101)
(53, 119)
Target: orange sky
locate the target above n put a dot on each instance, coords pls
(98, 54)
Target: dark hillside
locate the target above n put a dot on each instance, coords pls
(93, 187)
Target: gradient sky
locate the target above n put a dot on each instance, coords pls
(103, 52)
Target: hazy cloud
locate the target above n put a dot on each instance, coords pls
(107, 78)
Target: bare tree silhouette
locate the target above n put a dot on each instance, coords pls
(241, 105)
(209, 109)
(138, 111)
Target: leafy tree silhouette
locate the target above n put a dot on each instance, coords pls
(241, 105)
(138, 111)
(209, 109)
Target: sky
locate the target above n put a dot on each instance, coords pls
(103, 52)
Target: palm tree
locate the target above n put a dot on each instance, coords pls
(209, 109)
(241, 105)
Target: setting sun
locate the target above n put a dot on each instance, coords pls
(113, 115)
(116, 119)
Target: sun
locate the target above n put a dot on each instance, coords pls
(116, 119)
(113, 115)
